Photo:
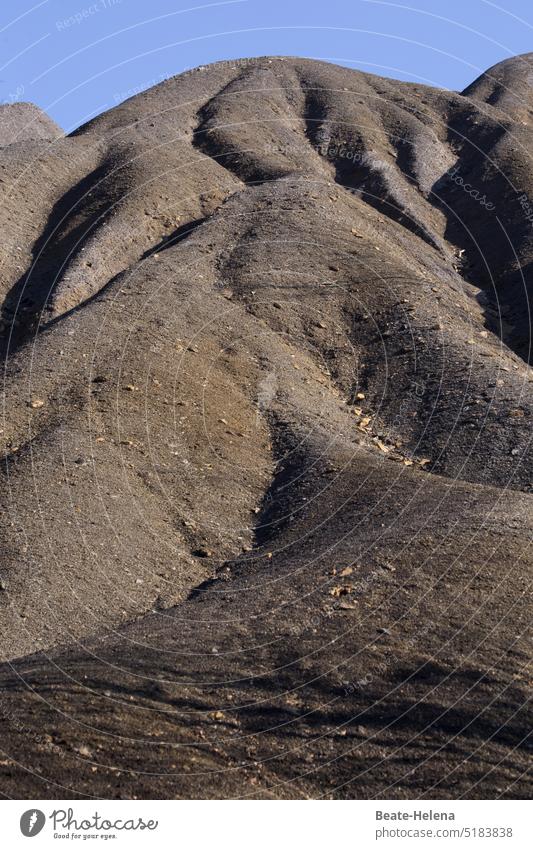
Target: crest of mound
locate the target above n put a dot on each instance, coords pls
(26, 122)
(507, 85)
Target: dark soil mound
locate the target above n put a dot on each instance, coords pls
(266, 525)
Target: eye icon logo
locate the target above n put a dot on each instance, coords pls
(32, 822)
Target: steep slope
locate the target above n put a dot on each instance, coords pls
(267, 431)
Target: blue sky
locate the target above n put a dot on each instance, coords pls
(76, 58)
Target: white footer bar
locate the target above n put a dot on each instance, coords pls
(268, 824)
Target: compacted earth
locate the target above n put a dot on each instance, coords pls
(266, 502)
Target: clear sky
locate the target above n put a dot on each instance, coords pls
(75, 58)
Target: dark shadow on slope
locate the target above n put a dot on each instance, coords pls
(73, 217)
(445, 704)
(361, 173)
(178, 235)
(283, 499)
(488, 239)
(211, 142)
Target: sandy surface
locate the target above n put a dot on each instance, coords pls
(266, 509)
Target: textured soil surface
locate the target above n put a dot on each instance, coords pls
(267, 496)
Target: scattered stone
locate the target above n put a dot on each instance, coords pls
(344, 589)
